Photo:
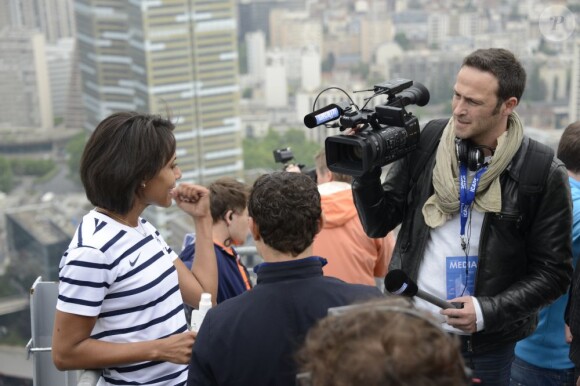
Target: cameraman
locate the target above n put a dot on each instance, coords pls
(292, 168)
(284, 156)
(485, 258)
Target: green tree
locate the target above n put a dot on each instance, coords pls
(247, 93)
(75, 148)
(328, 62)
(536, 89)
(6, 176)
(258, 152)
(361, 69)
(403, 41)
(546, 47)
(32, 167)
(441, 90)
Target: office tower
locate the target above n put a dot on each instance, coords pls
(256, 55)
(310, 69)
(294, 29)
(275, 86)
(254, 14)
(376, 29)
(60, 61)
(176, 56)
(438, 24)
(24, 80)
(74, 118)
(36, 239)
(54, 18)
(21, 13)
(5, 18)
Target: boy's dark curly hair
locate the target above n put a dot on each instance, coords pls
(286, 208)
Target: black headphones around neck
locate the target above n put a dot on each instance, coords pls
(471, 155)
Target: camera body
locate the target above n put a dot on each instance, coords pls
(381, 136)
(378, 144)
(285, 155)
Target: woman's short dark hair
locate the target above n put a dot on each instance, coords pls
(125, 150)
(286, 208)
(569, 147)
(227, 194)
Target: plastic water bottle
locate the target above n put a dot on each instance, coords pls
(198, 315)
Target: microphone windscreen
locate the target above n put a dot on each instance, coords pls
(325, 114)
(397, 282)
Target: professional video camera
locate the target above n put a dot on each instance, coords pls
(285, 155)
(382, 135)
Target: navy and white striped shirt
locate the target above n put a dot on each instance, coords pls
(128, 280)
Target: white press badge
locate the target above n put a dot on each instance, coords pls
(460, 276)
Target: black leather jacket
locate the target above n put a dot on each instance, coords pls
(519, 271)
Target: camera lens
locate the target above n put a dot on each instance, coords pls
(354, 153)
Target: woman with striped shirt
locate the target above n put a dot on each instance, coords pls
(122, 288)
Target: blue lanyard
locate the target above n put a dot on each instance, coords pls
(466, 196)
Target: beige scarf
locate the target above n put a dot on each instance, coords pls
(445, 201)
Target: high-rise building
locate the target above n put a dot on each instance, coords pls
(275, 85)
(35, 240)
(53, 21)
(21, 13)
(5, 14)
(176, 56)
(376, 29)
(438, 24)
(24, 80)
(310, 69)
(75, 113)
(254, 15)
(60, 61)
(54, 18)
(294, 29)
(168, 57)
(256, 55)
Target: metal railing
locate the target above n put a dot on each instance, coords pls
(43, 298)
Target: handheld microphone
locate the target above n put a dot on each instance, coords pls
(398, 283)
(325, 114)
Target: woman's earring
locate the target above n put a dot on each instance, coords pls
(143, 185)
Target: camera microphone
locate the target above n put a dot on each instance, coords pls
(325, 114)
(398, 282)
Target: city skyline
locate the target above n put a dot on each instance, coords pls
(225, 70)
